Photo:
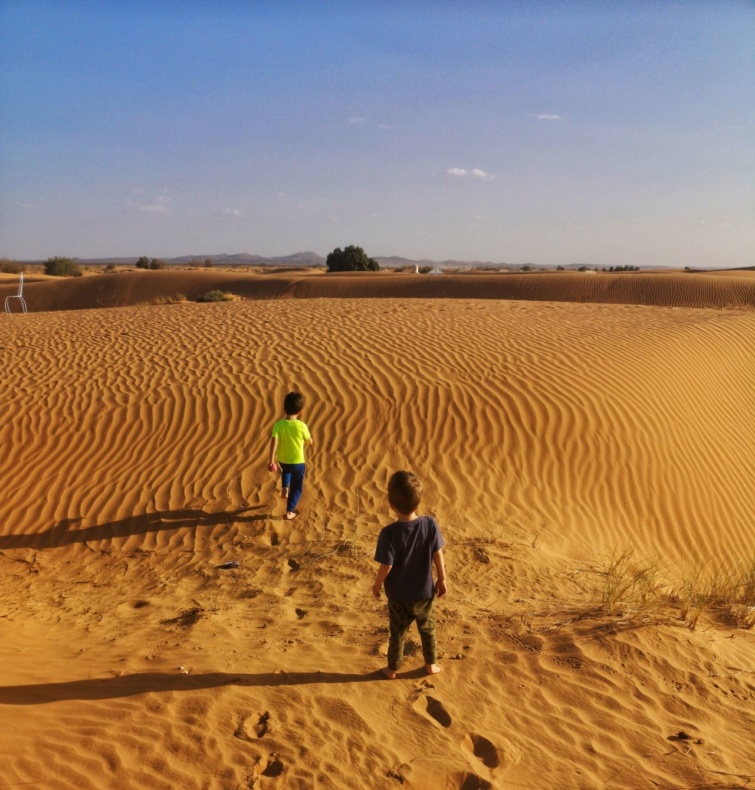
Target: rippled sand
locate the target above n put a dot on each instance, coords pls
(555, 419)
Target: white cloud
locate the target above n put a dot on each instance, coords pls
(160, 204)
(231, 212)
(462, 172)
(475, 173)
(357, 121)
(547, 117)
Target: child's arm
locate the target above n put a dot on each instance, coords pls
(440, 569)
(271, 465)
(383, 571)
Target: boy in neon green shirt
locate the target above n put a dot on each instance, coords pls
(287, 451)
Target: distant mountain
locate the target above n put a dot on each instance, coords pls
(239, 259)
(313, 259)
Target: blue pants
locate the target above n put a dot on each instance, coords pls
(292, 478)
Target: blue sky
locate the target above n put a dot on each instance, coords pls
(607, 132)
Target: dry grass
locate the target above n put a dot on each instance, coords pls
(723, 587)
(631, 586)
(168, 299)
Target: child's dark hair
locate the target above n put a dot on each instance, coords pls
(404, 492)
(293, 403)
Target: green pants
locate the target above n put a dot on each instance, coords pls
(401, 615)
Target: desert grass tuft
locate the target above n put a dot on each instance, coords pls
(216, 296)
(629, 583)
(631, 586)
(725, 587)
(168, 299)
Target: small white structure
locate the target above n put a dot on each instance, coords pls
(416, 268)
(19, 296)
(436, 270)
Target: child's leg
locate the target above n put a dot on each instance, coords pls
(400, 617)
(425, 612)
(285, 478)
(297, 486)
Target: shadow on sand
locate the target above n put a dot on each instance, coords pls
(65, 533)
(152, 682)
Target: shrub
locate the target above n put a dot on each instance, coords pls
(156, 263)
(62, 267)
(143, 262)
(215, 296)
(8, 266)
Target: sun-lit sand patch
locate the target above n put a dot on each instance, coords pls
(551, 432)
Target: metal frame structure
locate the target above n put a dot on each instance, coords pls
(19, 296)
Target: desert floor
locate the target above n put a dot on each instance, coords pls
(586, 443)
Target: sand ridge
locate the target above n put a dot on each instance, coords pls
(734, 289)
(548, 433)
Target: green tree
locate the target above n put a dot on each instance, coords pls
(156, 263)
(143, 262)
(352, 259)
(62, 267)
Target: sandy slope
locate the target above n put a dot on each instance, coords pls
(548, 433)
(727, 290)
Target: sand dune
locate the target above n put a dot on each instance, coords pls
(726, 290)
(550, 431)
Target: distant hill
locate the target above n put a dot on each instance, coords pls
(310, 258)
(239, 259)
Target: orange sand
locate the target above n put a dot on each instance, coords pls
(555, 418)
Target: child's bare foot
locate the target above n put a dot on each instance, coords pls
(432, 669)
(389, 673)
(284, 493)
(291, 515)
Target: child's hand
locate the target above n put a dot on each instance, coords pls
(272, 466)
(376, 590)
(440, 588)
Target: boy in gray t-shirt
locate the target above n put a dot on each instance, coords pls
(407, 551)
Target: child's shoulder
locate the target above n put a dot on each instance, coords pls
(419, 521)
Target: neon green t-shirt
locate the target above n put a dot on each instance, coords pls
(291, 435)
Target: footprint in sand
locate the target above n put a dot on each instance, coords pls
(434, 709)
(261, 727)
(474, 782)
(274, 767)
(481, 748)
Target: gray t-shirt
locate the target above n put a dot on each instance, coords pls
(408, 547)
